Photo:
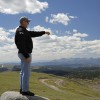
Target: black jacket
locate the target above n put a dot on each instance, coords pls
(23, 40)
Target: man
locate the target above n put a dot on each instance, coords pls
(24, 44)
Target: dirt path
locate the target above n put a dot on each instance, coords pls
(58, 81)
(96, 87)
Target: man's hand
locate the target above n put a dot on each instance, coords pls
(48, 33)
(28, 60)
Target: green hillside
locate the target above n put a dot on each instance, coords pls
(52, 86)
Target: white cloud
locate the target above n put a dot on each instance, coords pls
(59, 18)
(74, 30)
(80, 35)
(39, 28)
(7, 46)
(12, 30)
(4, 36)
(3, 32)
(50, 47)
(56, 47)
(47, 19)
(20, 6)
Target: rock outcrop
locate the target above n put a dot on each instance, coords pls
(12, 95)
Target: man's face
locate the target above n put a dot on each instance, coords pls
(25, 23)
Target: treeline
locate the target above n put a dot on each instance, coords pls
(80, 72)
(70, 72)
(85, 73)
(10, 68)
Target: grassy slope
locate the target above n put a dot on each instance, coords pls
(74, 90)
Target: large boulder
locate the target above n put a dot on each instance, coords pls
(12, 95)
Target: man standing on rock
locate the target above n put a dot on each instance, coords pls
(23, 41)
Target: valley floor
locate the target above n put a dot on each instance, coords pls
(53, 87)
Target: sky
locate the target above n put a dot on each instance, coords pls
(73, 25)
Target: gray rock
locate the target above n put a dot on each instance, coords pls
(12, 95)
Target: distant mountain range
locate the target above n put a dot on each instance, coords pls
(72, 62)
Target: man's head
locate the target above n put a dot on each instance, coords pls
(24, 21)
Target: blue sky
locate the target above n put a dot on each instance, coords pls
(69, 21)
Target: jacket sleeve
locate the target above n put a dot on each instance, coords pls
(36, 33)
(20, 42)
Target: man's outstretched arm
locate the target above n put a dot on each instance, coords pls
(38, 33)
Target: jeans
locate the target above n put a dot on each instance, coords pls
(25, 73)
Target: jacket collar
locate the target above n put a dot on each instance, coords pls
(22, 27)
